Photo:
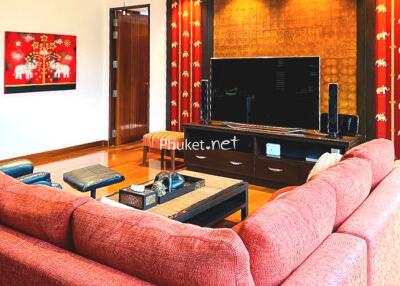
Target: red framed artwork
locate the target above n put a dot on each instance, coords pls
(39, 62)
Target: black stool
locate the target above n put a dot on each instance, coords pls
(91, 178)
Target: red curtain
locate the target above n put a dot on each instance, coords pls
(186, 62)
(388, 71)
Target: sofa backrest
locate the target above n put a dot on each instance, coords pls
(351, 179)
(39, 211)
(159, 250)
(282, 234)
(379, 153)
(377, 221)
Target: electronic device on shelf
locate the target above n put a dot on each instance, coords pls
(276, 92)
(333, 120)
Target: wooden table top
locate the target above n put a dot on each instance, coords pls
(213, 186)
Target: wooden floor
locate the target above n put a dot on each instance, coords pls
(127, 159)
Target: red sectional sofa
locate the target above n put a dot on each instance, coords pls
(341, 228)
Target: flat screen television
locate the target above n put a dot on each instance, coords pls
(282, 92)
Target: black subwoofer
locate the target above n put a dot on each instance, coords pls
(348, 124)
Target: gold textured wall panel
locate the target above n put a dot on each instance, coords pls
(325, 28)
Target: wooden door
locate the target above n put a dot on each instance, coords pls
(131, 76)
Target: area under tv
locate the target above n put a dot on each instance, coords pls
(249, 160)
(272, 129)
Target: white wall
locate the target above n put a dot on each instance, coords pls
(158, 56)
(38, 122)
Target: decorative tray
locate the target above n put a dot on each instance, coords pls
(191, 184)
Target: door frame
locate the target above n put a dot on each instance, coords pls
(112, 74)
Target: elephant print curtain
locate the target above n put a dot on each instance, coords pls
(39, 62)
(388, 70)
(186, 62)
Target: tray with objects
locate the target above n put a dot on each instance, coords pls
(191, 184)
(147, 198)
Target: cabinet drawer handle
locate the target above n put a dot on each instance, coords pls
(201, 157)
(236, 163)
(275, 170)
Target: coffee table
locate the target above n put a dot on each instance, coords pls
(206, 206)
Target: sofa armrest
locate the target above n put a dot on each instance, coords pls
(35, 178)
(17, 168)
(341, 260)
(377, 221)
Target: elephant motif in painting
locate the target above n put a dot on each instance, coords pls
(60, 69)
(25, 69)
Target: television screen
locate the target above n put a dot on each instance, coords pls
(267, 91)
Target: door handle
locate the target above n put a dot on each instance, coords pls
(275, 170)
(236, 163)
(201, 157)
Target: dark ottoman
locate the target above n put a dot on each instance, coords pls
(91, 178)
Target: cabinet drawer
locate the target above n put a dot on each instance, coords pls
(207, 159)
(226, 161)
(282, 171)
(237, 163)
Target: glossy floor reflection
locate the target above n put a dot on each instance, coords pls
(127, 159)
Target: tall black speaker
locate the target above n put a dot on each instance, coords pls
(333, 121)
(205, 102)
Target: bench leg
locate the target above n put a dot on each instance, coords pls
(93, 194)
(145, 151)
(173, 160)
(162, 159)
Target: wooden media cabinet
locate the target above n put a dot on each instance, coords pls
(247, 159)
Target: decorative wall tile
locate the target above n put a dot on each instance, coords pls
(324, 28)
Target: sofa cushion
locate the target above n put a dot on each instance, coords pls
(340, 260)
(379, 153)
(351, 180)
(282, 234)
(160, 250)
(40, 211)
(377, 221)
(25, 260)
(326, 161)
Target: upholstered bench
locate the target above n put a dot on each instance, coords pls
(163, 141)
(91, 178)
